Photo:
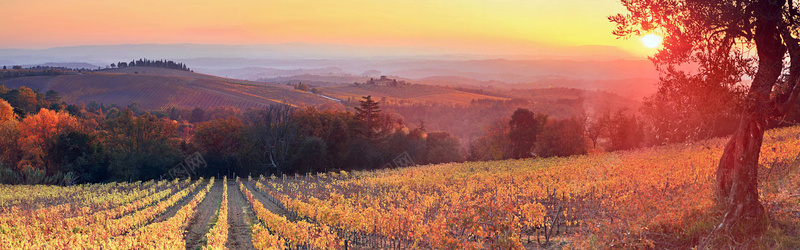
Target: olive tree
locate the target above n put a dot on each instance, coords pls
(719, 38)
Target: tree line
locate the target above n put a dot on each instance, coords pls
(18, 71)
(685, 108)
(45, 140)
(529, 134)
(152, 63)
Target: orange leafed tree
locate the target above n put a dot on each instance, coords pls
(8, 134)
(221, 136)
(6, 111)
(37, 136)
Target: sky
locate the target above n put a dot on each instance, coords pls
(474, 26)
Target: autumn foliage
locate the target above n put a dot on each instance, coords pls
(37, 135)
(6, 111)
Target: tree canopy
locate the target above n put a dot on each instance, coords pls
(718, 39)
(524, 126)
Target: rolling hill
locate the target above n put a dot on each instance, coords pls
(159, 89)
(632, 88)
(408, 94)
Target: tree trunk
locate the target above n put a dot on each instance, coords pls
(737, 176)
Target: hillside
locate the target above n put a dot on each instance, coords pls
(466, 113)
(171, 72)
(415, 93)
(158, 89)
(588, 100)
(631, 88)
(157, 72)
(317, 80)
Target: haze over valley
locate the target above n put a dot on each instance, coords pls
(606, 68)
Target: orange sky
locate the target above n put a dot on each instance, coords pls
(477, 26)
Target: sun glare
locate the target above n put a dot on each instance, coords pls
(651, 40)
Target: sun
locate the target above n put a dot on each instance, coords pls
(651, 40)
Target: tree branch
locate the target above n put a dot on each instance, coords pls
(783, 106)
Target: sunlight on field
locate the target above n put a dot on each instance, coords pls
(613, 197)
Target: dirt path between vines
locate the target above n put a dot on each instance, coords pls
(240, 217)
(178, 205)
(198, 226)
(269, 205)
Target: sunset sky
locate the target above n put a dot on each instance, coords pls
(497, 26)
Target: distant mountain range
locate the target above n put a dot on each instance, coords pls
(106, 54)
(587, 67)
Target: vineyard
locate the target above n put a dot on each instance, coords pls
(651, 198)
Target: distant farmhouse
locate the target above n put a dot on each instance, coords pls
(383, 81)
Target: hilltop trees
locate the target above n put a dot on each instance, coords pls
(302, 87)
(151, 63)
(17, 71)
(714, 35)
